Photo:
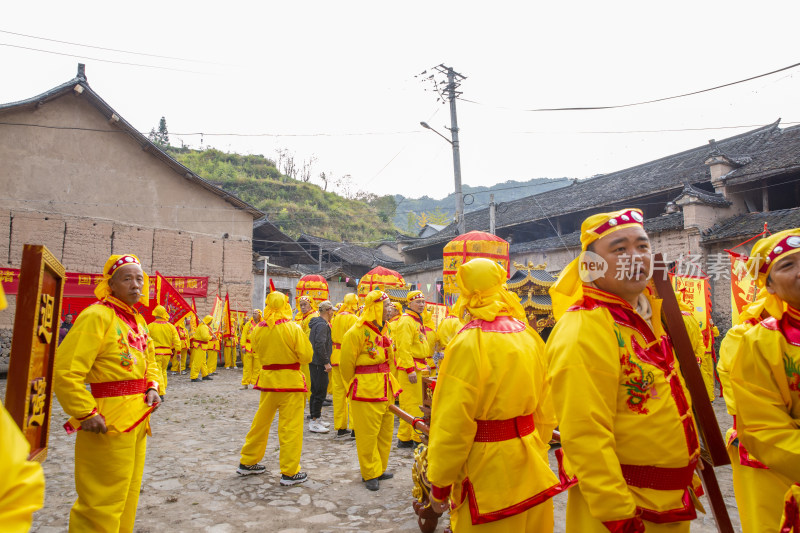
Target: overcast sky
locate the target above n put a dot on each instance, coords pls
(344, 72)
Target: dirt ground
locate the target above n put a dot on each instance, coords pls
(190, 482)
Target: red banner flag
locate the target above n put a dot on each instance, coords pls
(171, 299)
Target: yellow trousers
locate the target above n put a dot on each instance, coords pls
(108, 476)
(707, 371)
(163, 362)
(535, 519)
(230, 356)
(289, 406)
(341, 403)
(410, 402)
(177, 361)
(212, 359)
(580, 519)
(198, 363)
(759, 495)
(250, 370)
(373, 424)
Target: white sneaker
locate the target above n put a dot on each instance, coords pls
(316, 427)
(323, 423)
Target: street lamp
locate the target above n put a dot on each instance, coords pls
(460, 223)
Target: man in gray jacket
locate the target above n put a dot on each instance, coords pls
(320, 337)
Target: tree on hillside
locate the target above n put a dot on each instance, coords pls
(324, 177)
(411, 223)
(160, 137)
(308, 165)
(437, 216)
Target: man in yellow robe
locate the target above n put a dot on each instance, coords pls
(492, 416)
(341, 323)
(447, 329)
(765, 382)
(624, 413)
(412, 351)
(166, 341)
(179, 359)
(281, 348)
(390, 326)
(430, 335)
(199, 343)
(212, 352)
(110, 349)
(364, 364)
(230, 351)
(22, 481)
(249, 364)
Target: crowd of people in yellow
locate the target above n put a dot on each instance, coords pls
(607, 377)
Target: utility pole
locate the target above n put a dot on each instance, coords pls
(453, 82)
(492, 214)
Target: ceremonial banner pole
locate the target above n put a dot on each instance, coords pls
(713, 453)
(29, 394)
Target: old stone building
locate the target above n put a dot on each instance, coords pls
(80, 179)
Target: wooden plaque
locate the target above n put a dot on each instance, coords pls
(29, 394)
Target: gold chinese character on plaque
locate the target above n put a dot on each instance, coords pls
(191, 283)
(46, 318)
(84, 279)
(179, 283)
(36, 411)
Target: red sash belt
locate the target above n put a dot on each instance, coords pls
(126, 387)
(195, 343)
(373, 369)
(500, 430)
(421, 360)
(658, 478)
(337, 345)
(289, 366)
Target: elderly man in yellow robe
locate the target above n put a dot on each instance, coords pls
(624, 413)
(492, 416)
(412, 347)
(765, 383)
(22, 481)
(199, 343)
(110, 349)
(364, 364)
(249, 363)
(341, 323)
(281, 348)
(166, 341)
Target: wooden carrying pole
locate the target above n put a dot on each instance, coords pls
(713, 452)
(417, 423)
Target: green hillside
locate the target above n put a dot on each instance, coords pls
(293, 205)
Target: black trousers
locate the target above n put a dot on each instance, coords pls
(319, 389)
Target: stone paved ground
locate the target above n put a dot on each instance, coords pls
(190, 483)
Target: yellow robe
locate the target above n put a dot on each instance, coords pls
(199, 341)
(108, 343)
(303, 321)
(412, 353)
(759, 491)
(341, 404)
(167, 342)
(493, 371)
(230, 351)
(448, 329)
(765, 382)
(364, 364)
(212, 353)
(249, 364)
(179, 359)
(282, 391)
(616, 385)
(22, 481)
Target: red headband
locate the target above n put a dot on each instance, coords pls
(788, 244)
(630, 216)
(124, 260)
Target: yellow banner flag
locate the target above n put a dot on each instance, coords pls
(743, 285)
(695, 293)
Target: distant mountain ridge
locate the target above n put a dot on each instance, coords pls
(503, 192)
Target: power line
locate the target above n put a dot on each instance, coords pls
(101, 60)
(620, 106)
(109, 49)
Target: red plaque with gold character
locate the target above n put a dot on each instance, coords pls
(33, 350)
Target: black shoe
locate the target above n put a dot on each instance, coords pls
(163, 397)
(340, 433)
(208, 378)
(196, 380)
(405, 443)
(353, 434)
(386, 475)
(372, 484)
(249, 470)
(327, 402)
(300, 477)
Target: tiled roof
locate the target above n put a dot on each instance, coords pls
(666, 175)
(709, 198)
(422, 266)
(348, 253)
(779, 154)
(751, 224)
